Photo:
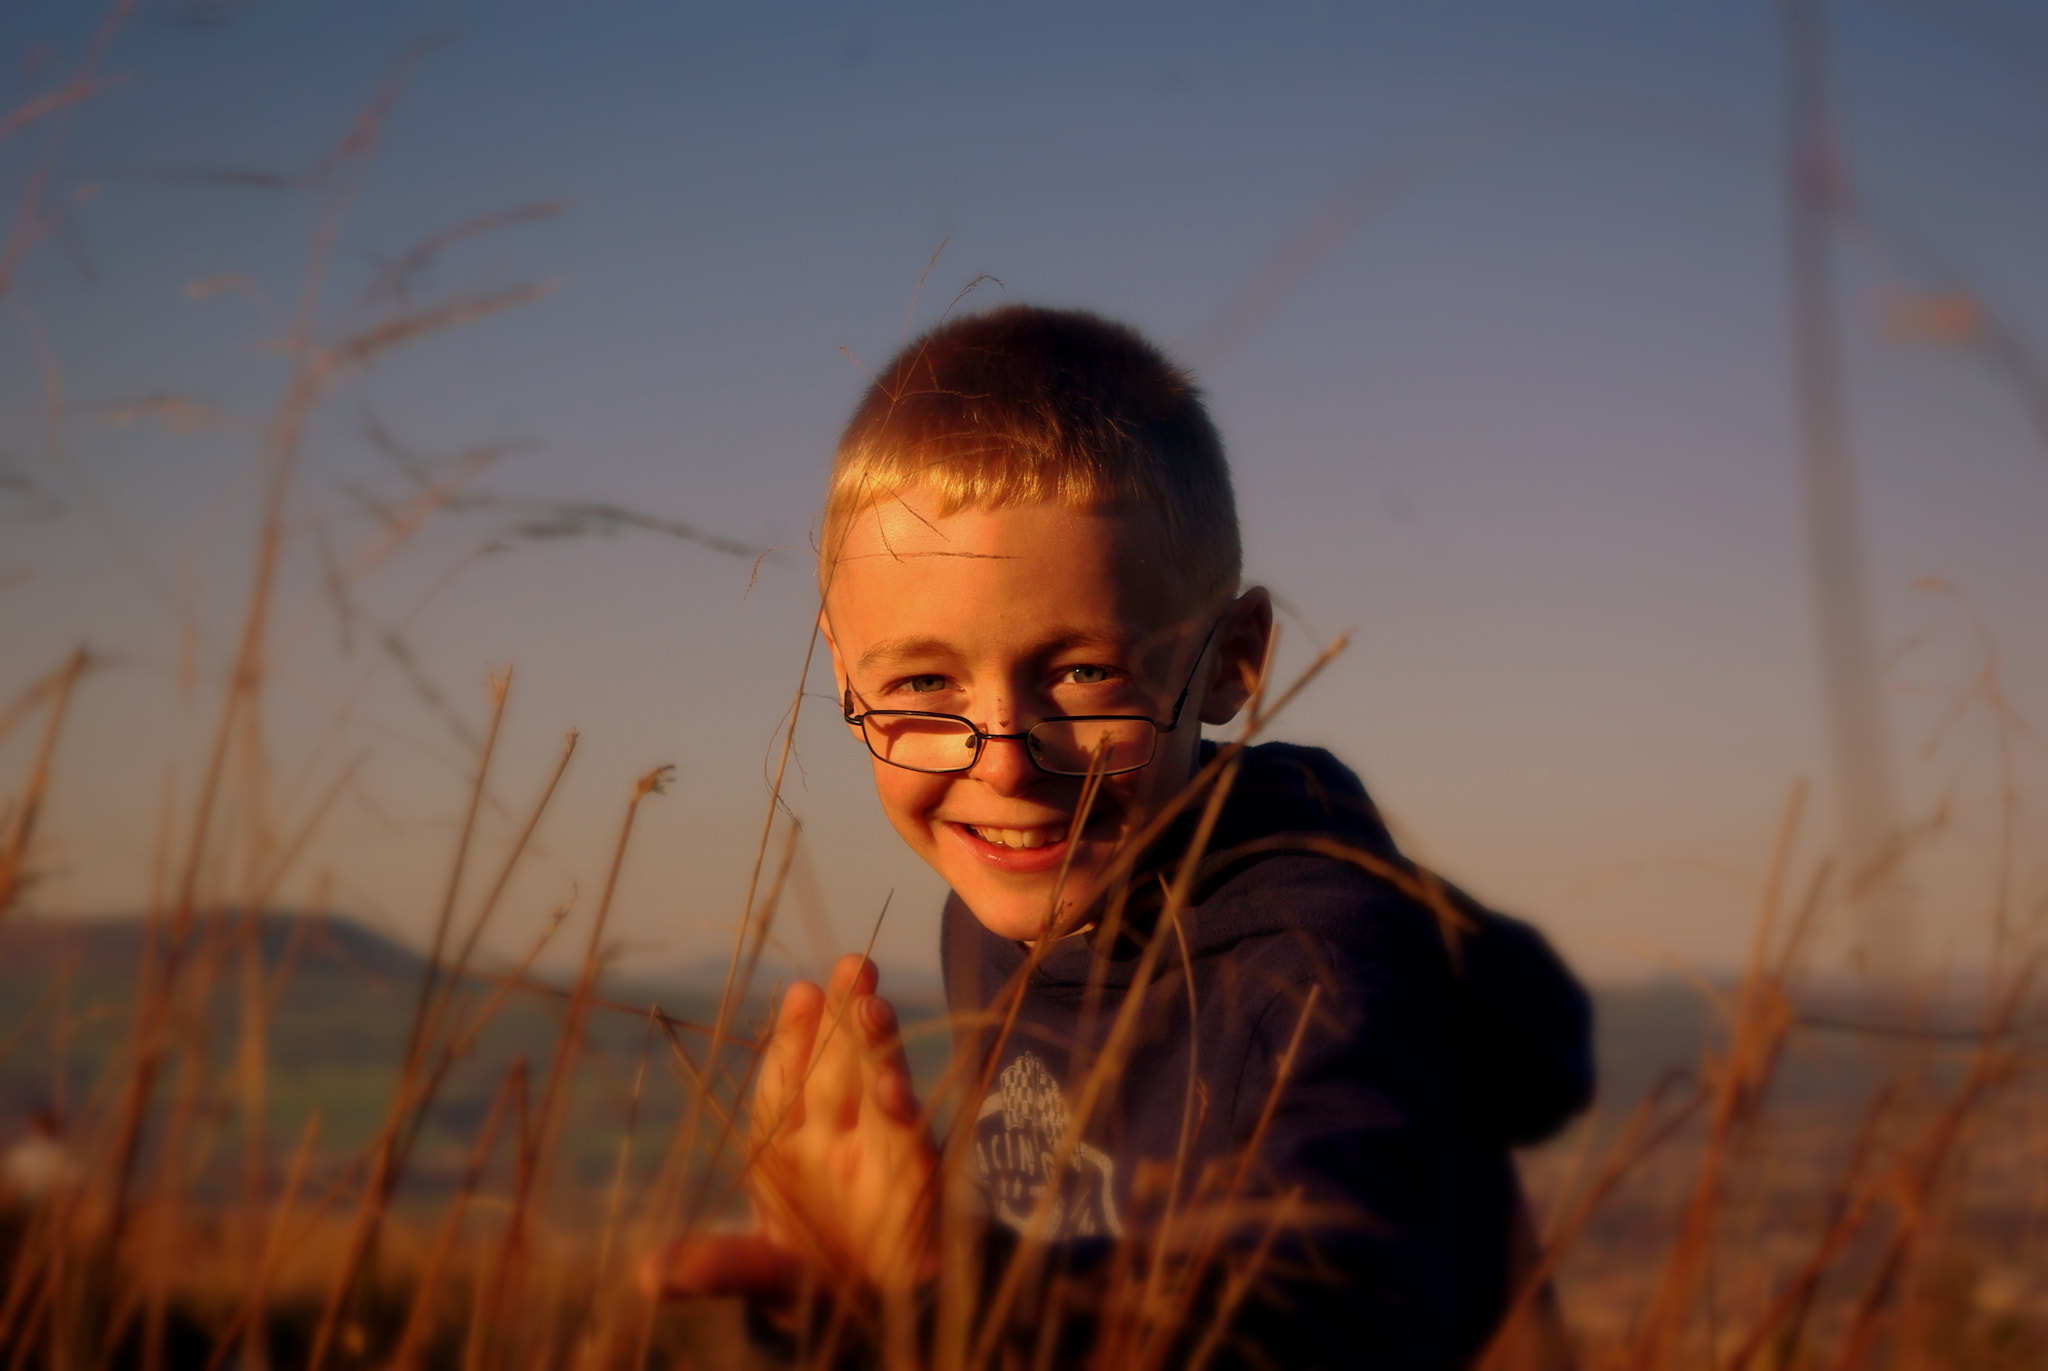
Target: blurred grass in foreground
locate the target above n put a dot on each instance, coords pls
(285, 1142)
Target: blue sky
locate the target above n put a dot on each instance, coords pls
(1522, 422)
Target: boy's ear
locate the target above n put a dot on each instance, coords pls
(1242, 640)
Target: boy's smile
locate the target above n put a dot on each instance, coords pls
(1005, 617)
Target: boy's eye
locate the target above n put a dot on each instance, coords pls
(1084, 675)
(924, 685)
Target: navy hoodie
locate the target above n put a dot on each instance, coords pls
(1433, 1046)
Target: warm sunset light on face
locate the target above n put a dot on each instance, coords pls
(1007, 616)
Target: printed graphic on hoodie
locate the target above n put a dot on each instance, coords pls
(1017, 1137)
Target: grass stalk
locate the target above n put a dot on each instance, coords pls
(385, 1163)
(419, 1320)
(21, 825)
(1754, 1038)
(546, 1127)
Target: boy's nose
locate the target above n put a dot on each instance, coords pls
(1004, 765)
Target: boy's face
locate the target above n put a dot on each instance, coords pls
(1004, 617)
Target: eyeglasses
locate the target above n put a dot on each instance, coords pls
(1059, 745)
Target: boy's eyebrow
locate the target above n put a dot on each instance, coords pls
(892, 555)
(901, 649)
(915, 647)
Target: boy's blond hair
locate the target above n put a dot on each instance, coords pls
(1022, 405)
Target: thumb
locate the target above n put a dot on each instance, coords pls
(712, 1264)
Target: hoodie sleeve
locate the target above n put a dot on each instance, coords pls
(1383, 1085)
(1347, 1107)
(1521, 1048)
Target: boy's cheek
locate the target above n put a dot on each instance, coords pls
(909, 799)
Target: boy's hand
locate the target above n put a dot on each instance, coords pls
(714, 1264)
(844, 1171)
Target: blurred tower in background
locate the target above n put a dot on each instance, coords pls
(1870, 862)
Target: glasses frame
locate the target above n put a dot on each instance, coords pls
(981, 739)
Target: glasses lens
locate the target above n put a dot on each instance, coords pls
(921, 743)
(1073, 747)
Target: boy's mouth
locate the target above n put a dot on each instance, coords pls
(1027, 851)
(1019, 851)
(1027, 838)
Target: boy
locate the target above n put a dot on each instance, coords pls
(1189, 985)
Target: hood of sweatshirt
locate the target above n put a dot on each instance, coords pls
(1520, 1047)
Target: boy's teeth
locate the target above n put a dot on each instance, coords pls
(1014, 837)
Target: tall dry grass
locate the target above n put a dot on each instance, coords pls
(175, 1248)
(191, 1235)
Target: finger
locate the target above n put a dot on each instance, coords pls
(778, 1093)
(713, 1264)
(832, 1095)
(852, 975)
(888, 1068)
(837, 1081)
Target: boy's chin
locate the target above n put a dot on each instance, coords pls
(1021, 910)
(1023, 920)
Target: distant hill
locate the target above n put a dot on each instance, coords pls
(708, 974)
(101, 958)
(102, 951)
(345, 994)
(341, 1000)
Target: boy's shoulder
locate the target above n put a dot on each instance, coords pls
(1300, 851)
(1300, 882)
(1304, 883)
